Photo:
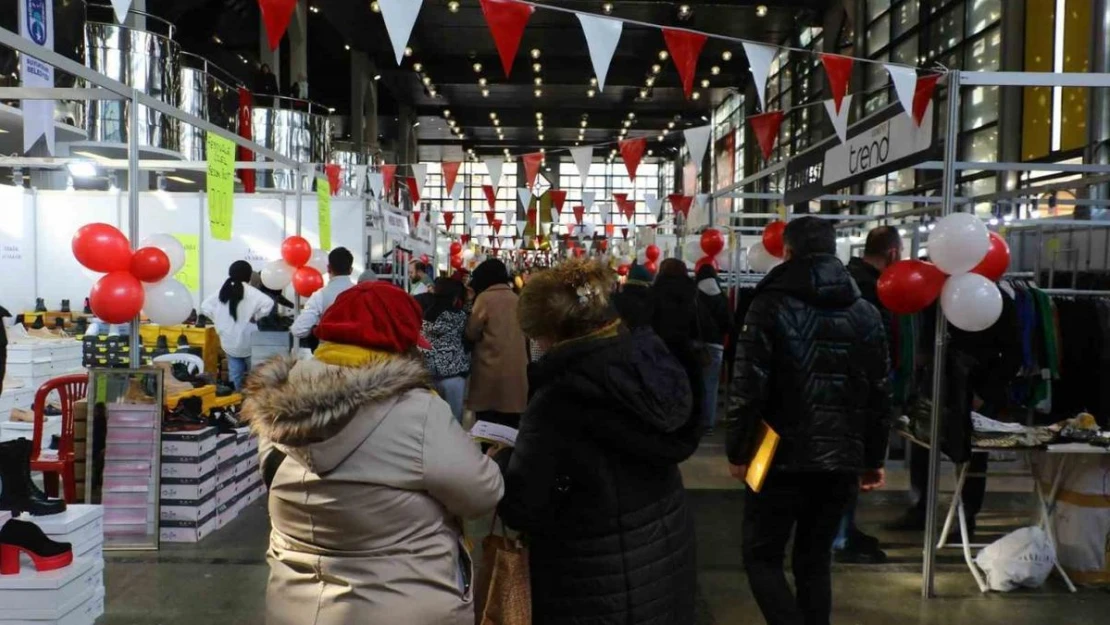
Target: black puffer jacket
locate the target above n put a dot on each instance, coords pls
(812, 362)
(594, 484)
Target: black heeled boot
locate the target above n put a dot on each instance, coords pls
(21, 536)
(39, 323)
(88, 308)
(65, 306)
(19, 493)
(40, 305)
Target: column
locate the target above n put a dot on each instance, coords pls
(1010, 98)
(1099, 111)
(364, 102)
(298, 45)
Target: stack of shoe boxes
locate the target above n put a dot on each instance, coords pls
(128, 489)
(247, 473)
(106, 350)
(72, 595)
(190, 464)
(227, 488)
(32, 363)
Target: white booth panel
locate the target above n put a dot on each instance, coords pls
(58, 216)
(17, 250)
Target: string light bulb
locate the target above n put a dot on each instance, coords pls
(643, 94)
(591, 92)
(607, 8)
(714, 70)
(477, 67)
(726, 55)
(453, 6)
(663, 56)
(761, 10)
(650, 81)
(408, 51)
(538, 81)
(538, 92)
(704, 83)
(485, 93)
(374, 7)
(417, 67)
(536, 67)
(482, 82)
(696, 95)
(655, 69)
(535, 53)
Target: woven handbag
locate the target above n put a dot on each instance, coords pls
(503, 594)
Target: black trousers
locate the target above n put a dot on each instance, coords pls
(810, 505)
(975, 488)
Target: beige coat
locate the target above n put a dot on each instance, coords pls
(364, 508)
(499, 363)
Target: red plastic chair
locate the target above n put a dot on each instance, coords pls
(70, 388)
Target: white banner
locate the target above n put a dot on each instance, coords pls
(399, 16)
(697, 141)
(759, 61)
(36, 23)
(602, 36)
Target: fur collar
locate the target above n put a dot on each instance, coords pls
(297, 403)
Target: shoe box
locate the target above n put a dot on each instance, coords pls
(188, 445)
(43, 360)
(99, 350)
(11, 430)
(130, 457)
(187, 531)
(16, 397)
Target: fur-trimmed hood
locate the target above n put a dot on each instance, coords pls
(304, 406)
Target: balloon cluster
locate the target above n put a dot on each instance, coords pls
(300, 265)
(133, 281)
(460, 254)
(712, 243)
(765, 255)
(651, 258)
(967, 261)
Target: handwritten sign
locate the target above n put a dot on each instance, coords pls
(190, 271)
(221, 185)
(323, 204)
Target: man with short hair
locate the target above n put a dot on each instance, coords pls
(812, 364)
(340, 264)
(420, 281)
(882, 249)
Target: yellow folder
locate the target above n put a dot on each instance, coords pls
(766, 442)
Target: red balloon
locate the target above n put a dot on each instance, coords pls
(706, 260)
(457, 262)
(652, 252)
(712, 242)
(150, 264)
(772, 238)
(622, 270)
(997, 260)
(651, 267)
(908, 286)
(456, 248)
(296, 251)
(102, 248)
(116, 297)
(307, 281)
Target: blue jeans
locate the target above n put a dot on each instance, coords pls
(452, 390)
(847, 523)
(711, 383)
(237, 370)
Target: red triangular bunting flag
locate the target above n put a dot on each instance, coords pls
(414, 193)
(450, 173)
(620, 199)
(681, 203)
(923, 95)
(448, 219)
(632, 150)
(388, 171)
(579, 211)
(839, 70)
(766, 128)
(558, 197)
(604, 245)
(539, 240)
(491, 197)
(629, 209)
(685, 48)
(496, 224)
(531, 216)
(624, 232)
(569, 242)
(532, 167)
(276, 15)
(332, 171)
(464, 239)
(506, 20)
(415, 218)
(610, 230)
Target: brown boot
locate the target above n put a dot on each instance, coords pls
(135, 394)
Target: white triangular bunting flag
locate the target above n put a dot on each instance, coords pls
(521, 226)
(360, 178)
(759, 62)
(583, 156)
(377, 183)
(602, 36)
(653, 204)
(399, 16)
(606, 214)
(525, 197)
(420, 173)
(697, 141)
(493, 166)
(554, 216)
(588, 198)
(121, 7)
(905, 85)
(840, 120)
(701, 200)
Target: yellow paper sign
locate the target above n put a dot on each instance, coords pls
(221, 185)
(323, 204)
(190, 271)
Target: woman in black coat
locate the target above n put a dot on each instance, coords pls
(593, 482)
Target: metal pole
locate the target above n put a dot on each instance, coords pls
(133, 210)
(300, 197)
(948, 188)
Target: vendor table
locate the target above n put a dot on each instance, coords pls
(1046, 499)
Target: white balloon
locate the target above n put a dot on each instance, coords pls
(467, 253)
(971, 302)
(724, 261)
(760, 260)
(319, 261)
(691, 250)
(167, 302)
(171, 246)
(958, 243)
(277, 274)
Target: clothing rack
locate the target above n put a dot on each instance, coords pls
(1076, 292)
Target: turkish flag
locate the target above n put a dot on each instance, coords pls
(558, 197)
(766, 129)
(276, 15)
(506, 20)
(332, 171)
(579, 211)
(414, 193)
(246, 132)
(681, 203)
(632, 150)
(532, 167)
(620, 199)
(491, 196)
(450, 173)
(685, 48)
(839, 71)
(923, 95)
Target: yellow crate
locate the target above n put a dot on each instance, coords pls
(233, 399)
(204, 338)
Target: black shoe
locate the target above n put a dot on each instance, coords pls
(224, 419)
(192, 319)
(22, 537)
(65, 306)
(857, 540)
(51, 411)
(161, 347)
(186, 417)
(19, 493)
(202, 321)
(40, 305)
(39, 323)
(913, 520)
(88, 308)
(182, 342)
(81, 326)
(59, 323)
(850, 555)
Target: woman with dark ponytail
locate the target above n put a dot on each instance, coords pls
(233, 311)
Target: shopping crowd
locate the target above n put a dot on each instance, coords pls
(611, 385)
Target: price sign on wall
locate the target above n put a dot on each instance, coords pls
(323, 204)
(221, 185)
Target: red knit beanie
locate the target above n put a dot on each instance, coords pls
(374, 315)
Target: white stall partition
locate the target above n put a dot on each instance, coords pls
(17, 250)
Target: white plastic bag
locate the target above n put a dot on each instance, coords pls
(1021, 558)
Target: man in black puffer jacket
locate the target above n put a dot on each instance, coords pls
(813, 363)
